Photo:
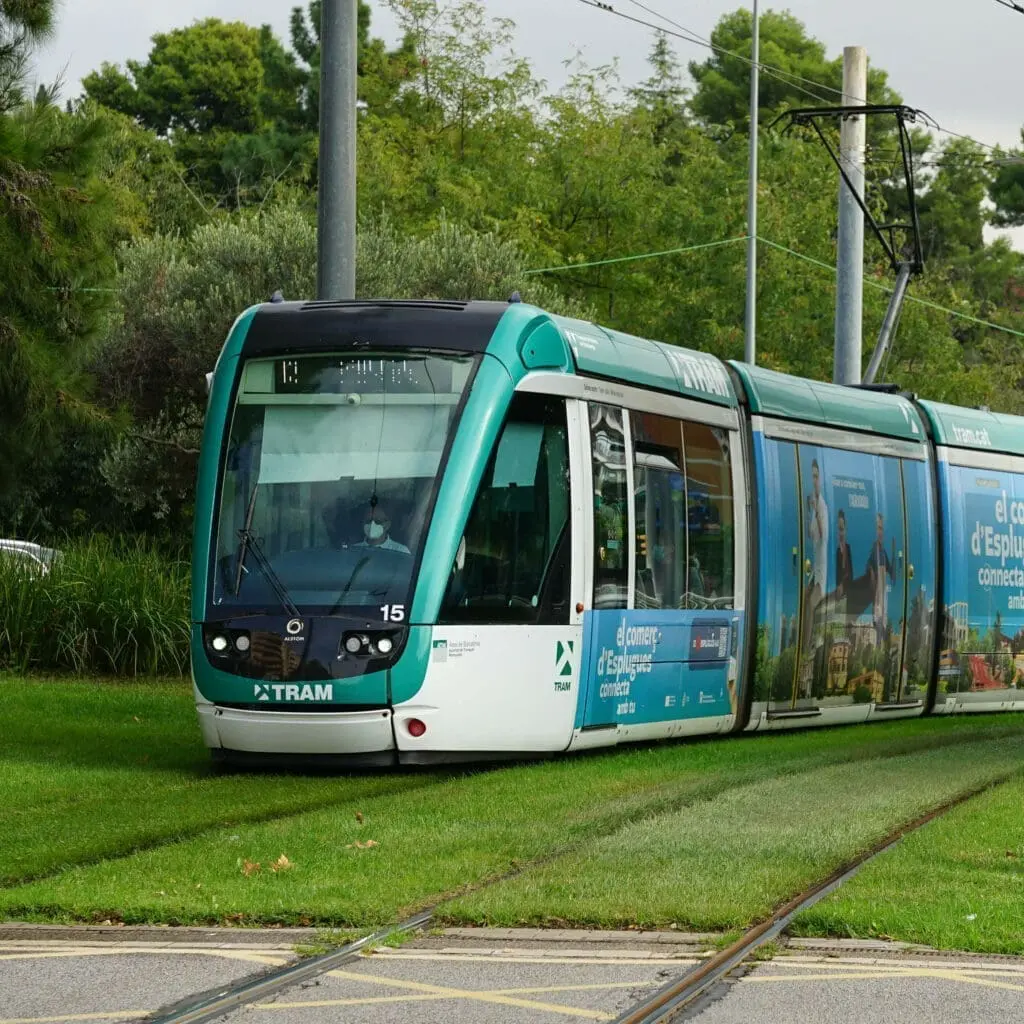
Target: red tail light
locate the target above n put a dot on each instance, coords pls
(416, 727)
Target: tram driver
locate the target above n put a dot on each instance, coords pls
(377, 531)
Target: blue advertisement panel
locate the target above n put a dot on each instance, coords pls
(779, 573)
(833, 634)
(982, 654)
(649, 665)
(918, 653)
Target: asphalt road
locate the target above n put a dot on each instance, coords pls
(483, 976)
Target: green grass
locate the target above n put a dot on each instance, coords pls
(92, 770)
(103, 608)
(730, 860)
(105, 771)
(958, 883)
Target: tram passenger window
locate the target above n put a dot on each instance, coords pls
(709, 517)
(514, 559)
(659, 500)
(611, 547)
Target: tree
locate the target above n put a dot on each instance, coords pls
(206, 88)
(180, 295)
(23, 24)
(380, 72)
(723, 80)
(1006, 189)
(59, 224)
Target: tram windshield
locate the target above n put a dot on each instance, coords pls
(329, 479)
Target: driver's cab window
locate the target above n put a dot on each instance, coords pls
(514, 557)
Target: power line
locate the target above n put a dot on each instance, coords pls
(700, 40)
(786, 77)
(690, 37)
(885, 288)
(639, 256)
(821, 264)
(1012, 5)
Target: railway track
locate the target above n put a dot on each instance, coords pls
(672, 1001)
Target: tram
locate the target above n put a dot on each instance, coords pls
(442, 531)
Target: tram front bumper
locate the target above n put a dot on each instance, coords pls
(296, 732)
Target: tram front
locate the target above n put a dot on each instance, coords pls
(328, 432)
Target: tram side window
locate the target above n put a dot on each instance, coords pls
(514, 559)
(709, 517)
(659, 499)
(611, 497)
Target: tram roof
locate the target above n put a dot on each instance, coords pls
(975, 429)
(601, 352)
(795, 398)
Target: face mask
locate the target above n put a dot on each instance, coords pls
(373, 530)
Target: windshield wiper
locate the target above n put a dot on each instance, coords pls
(251, 544)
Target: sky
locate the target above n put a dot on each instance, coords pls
(954, 59)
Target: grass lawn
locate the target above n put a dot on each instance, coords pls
(958, 883)
(730, 860)
(92, 770)
(424, 838)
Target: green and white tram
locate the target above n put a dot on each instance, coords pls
(445, 531)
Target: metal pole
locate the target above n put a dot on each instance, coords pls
(750, 318)
(850, 262)
(892, 315)
(336, 199)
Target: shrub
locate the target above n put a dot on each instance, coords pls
(103, 608)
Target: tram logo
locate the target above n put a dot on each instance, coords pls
(294, 627)
(293, 691)
(563, 664)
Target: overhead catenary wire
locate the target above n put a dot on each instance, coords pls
(787, 77)
(639, 256)
(886, 288)
(687, 36)
(821, 264)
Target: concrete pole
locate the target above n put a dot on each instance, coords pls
(750, 317)
(336, 199)
(850, 264)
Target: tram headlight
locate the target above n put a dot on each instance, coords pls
(242, 643)
(385, 645)
(219, 643)
(354, 644)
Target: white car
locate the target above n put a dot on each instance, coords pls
(32, 558)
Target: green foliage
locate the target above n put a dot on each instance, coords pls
(59, 226)
(470, 173)
(23, 23)
(208, 88)
(723, 80)
(103, 608)
(178, 297)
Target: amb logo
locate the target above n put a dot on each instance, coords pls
(563, 664)
(293, 691)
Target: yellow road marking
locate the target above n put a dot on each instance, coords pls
(486, 958)
(420, 997)
(268, 959)
(119, 1015)
(843, 972)
(444, 992)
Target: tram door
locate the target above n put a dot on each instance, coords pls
(841, 600)
(505, 654)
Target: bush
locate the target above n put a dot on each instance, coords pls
(103, 608)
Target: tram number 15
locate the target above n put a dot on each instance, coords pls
(393, 612)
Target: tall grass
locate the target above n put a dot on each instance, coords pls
(104, 608)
